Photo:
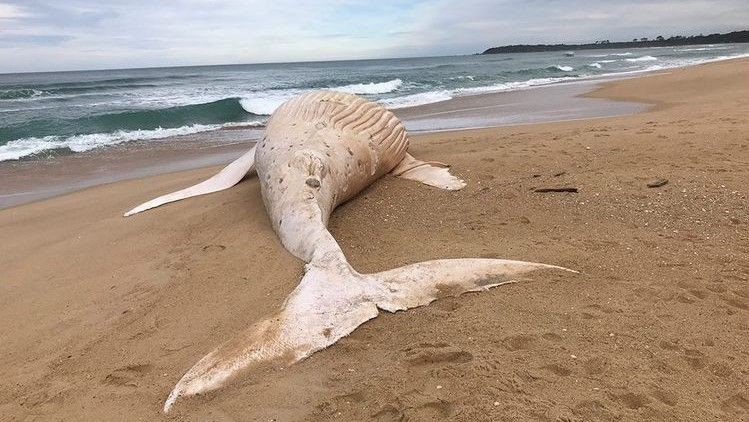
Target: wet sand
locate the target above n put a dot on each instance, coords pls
(552, 103)
(100, 315)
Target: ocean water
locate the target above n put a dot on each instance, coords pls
(68, 112)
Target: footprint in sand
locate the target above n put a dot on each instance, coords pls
(127, 376)
(737, 404)
(557, 370)
(595, 366)
(695, 358)
(426, 353)
(664, 397)
(389, 413)
(633, 401)
(433, 410)
(519, 342)
(213, 248)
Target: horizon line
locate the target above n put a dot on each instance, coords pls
(320, 61)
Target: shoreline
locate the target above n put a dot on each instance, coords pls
(34, 179)
(556, 102)
(101, 315)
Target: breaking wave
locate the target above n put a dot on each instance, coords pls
(216, 112)
(708, 48)
(19, 94)
(264, 103)
(444, 95)
(642, 59)
(371, 88)
(611, 54)
(20, 148)
(416, 99)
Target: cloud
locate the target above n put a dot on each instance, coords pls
(76, 34)
(11, 11)
(15, 40)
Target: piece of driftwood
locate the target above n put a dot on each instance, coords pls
(657, 183)
(545, 190)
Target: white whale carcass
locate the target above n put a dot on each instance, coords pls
(319, 150)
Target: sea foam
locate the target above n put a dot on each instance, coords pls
(510, 86)
(371, 88)
(444, 95)
(611, 54)
(708, 48)
(642, 59)
(416, 99)
(19, 148)
(20, 94)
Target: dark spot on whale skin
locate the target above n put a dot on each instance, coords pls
(326, 332)
(312, 182)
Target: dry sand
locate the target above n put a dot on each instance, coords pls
(100, 315)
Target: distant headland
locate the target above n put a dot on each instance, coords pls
(659, 41)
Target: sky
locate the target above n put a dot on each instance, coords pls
(51, 35)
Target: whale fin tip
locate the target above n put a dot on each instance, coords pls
(430, 173)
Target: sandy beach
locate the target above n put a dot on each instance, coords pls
(101, 315)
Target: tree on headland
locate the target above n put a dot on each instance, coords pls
(659, 41)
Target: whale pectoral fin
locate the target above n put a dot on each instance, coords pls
(429, 173)
(420, 284)
(226, 178)
(328, 304)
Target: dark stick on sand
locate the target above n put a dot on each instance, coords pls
(544, 190)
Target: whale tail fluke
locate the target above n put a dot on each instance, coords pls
(226, 178)
(331, 301)
(424, 282)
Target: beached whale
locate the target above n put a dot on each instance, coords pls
(319, 150)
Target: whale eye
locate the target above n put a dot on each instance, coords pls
(312, 182)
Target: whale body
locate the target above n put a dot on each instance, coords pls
(319, 150)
